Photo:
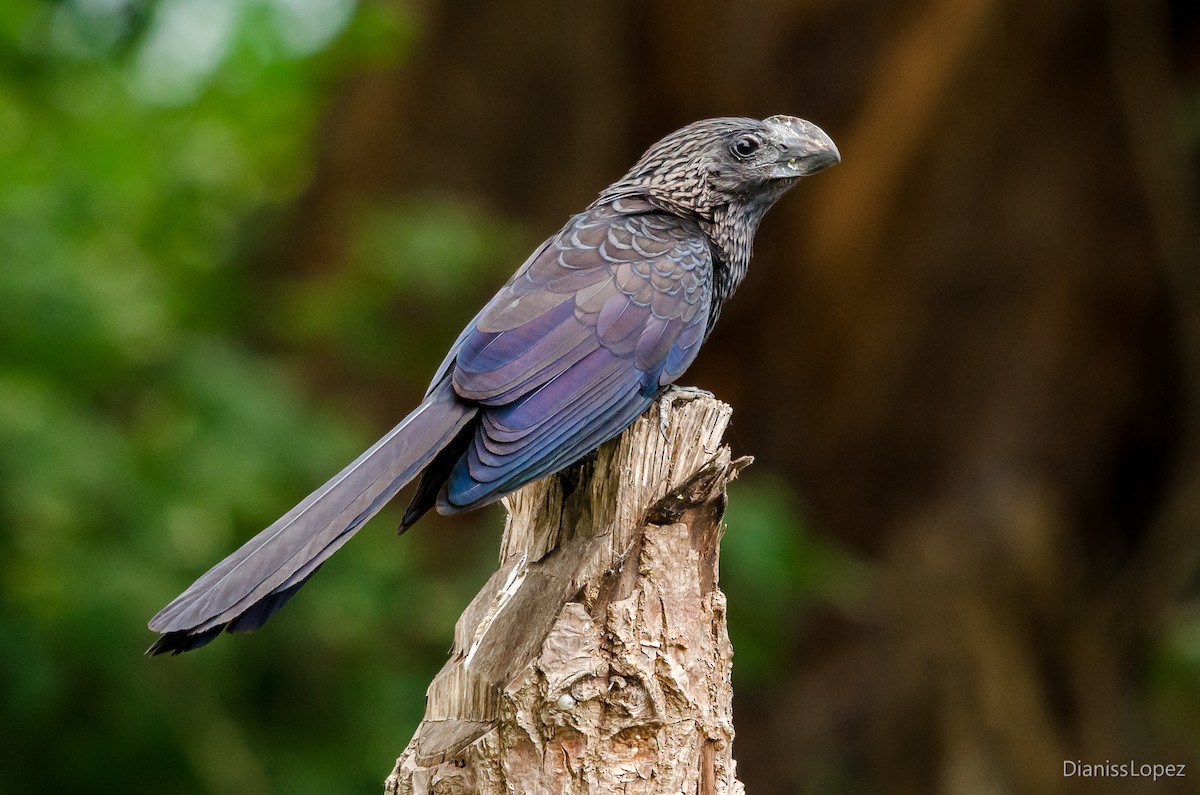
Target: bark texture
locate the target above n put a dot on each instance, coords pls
(596, 659)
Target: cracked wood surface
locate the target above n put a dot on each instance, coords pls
(596, 658)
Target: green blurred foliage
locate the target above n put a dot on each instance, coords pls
(148, 152)
(775, 571)
(410, 259)
(1174, 671)
(143, 434)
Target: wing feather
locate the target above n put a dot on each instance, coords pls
(577, 345)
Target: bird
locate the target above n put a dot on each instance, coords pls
(599, 322)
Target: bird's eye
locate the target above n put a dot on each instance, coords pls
(744, 147)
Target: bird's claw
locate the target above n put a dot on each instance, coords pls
(668, 398)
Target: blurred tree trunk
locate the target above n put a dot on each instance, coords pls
(974, 346)
(596, 659)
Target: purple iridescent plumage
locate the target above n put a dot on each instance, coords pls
(577, 345)
(590, 330)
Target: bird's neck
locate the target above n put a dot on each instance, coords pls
(732, 238)
(731, 231)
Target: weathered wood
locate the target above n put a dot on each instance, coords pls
(596, 659)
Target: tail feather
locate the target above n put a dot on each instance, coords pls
(426, 495)
(246, 588)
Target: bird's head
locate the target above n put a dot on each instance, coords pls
(716, 163)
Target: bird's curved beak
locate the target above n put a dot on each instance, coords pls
(804, 147)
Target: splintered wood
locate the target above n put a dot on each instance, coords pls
(596, 659)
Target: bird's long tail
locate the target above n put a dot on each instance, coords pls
(241, 592)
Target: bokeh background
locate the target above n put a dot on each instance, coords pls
(236, 237)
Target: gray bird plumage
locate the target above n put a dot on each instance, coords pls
(600, 320)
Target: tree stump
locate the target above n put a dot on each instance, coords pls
(596, 659)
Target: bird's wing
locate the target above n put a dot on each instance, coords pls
(577, 345)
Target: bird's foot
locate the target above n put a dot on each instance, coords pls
(668, 399)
